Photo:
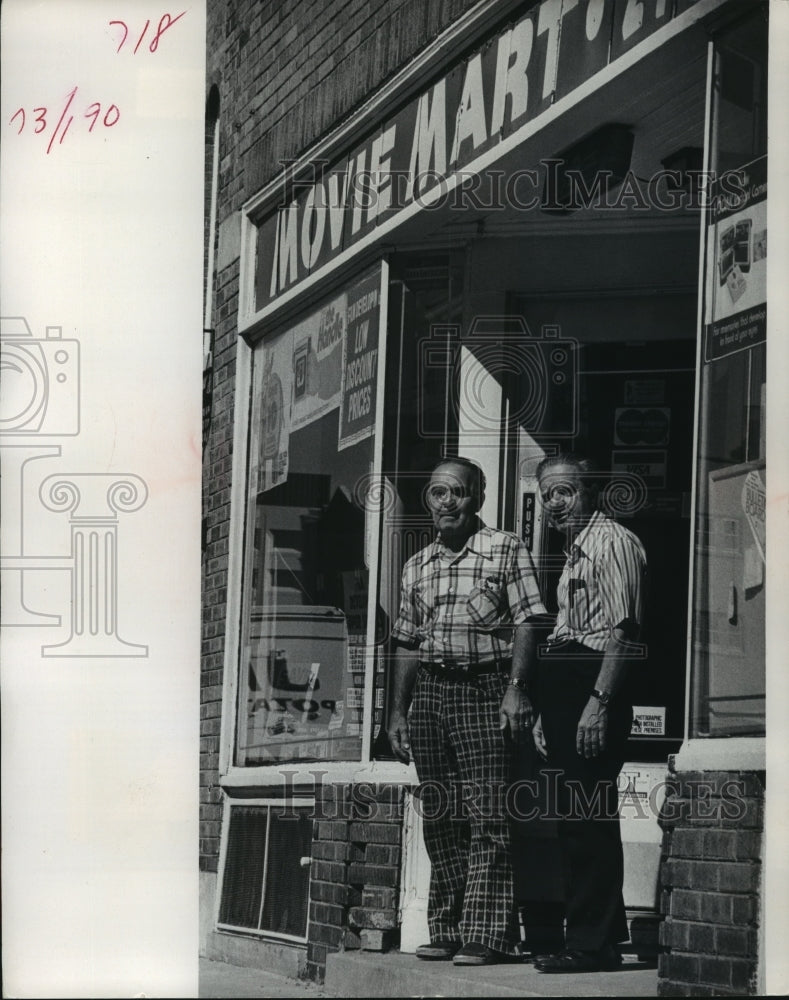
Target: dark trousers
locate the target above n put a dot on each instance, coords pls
(585, 793)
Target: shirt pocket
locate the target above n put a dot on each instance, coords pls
(484, 603)
(424, 603)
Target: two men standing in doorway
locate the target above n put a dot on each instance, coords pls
(469, 683)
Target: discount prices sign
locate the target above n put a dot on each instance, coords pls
(360, 361)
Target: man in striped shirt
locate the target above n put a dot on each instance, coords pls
(463, 658)
(585, 711)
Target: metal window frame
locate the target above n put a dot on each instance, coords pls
(232, 775)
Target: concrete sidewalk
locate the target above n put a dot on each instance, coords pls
(219, 979)
(370, 974)
(364, 973)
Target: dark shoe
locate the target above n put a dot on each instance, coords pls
(606, 960)
(438, 951)
(480, 954)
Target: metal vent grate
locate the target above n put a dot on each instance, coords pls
(265, 879)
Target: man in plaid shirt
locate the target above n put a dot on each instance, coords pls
(463, 658)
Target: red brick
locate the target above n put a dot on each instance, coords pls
(686, 903)
(332, 830)
(330, 850)
(684, 968)
(329, 892)
(379, 897)
(378, 833)
(743, 977)
(715, 971)
(701, 939)
(737, 941)
(740, 876)
(674, 934)
(329, 871)
(365, 875)
(382, 854)
(743, 910)
(316, 952)
(327, 913)
(326, 934)
(365, 917)
(687, 843)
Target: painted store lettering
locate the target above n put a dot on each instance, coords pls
(435, 140)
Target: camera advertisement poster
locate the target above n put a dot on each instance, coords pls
(360, 362)
(317, 363)
(736, 279)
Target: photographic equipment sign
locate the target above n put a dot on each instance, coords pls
(360, 362)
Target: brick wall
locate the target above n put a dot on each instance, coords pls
(354, 885)
(286, 74)
(713, 826)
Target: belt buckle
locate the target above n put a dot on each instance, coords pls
(460, 671)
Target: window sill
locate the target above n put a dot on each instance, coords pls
(747, 753)
(303, 776)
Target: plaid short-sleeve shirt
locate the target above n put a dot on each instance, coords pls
(460, 608)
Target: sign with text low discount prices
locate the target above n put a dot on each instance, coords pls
(360, 361)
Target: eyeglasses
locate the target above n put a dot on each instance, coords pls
(558, 492)
(439, 493)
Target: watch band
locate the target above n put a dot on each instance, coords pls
(602, 696)
(518, 682)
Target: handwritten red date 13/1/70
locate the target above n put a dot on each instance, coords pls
(42, 119)
(165, 22)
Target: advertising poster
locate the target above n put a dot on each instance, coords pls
(273, 401)
(360, 362)
(736, 300)
(317, 363)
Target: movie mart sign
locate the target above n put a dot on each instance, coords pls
(503, 86)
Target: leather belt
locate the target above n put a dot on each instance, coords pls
(452, 670)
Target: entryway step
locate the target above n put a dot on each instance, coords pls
(366, 974)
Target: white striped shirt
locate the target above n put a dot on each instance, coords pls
(602, 585)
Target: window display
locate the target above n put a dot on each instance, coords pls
(306, 571)
(728, 652)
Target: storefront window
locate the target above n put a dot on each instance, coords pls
(304, 638)
(421, 424)
(728, 656)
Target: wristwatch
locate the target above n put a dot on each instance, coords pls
(518, 682)
(602, 696)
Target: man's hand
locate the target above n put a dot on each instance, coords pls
(516, 714)
(399, 736)
(539, 739)
(591, 732)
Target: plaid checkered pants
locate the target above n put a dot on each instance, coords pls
(464, 766)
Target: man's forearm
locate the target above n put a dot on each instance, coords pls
(406, 662)
(614, 665)
(524, 654)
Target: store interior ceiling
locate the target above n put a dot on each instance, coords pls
(666, 118)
